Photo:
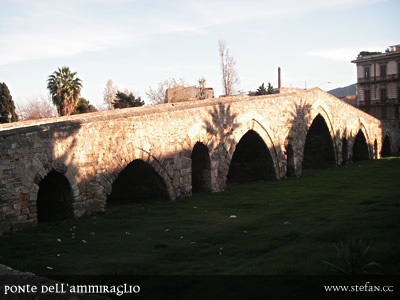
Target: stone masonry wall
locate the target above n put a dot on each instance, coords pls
(92, 149)
(191, 93)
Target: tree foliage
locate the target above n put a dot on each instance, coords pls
(36, 109)
(6, 105)
(84, 107)
(65, 90)
(270, 88)
(230, 78)
(261, 90)
(367, 53)
(158, 95)
(265, 91)
(124, 100)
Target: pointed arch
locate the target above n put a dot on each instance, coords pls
(263, 131)
(54, 198)
(318, 149)
(221, 152)
(360, 147)
(201, 168)
(322, 110)
(301, 120)
(38, 176)
(137, 182)
(130, 153)
(364, 130)
(386, 146)
(251, 160)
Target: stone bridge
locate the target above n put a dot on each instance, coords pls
(70, 166)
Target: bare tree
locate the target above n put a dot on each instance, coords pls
(101, 107)
(202, 88)
(230, 79)
(36, 109)
(110, 92)
(157, 95)
(130, 91)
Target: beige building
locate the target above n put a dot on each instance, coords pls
(180, 94)
(378, 84)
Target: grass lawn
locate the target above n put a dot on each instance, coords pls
(281, 227)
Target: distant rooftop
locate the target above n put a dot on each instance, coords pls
(395, 49)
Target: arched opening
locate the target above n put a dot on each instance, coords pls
(138, 182)
(360, 148)
(290, 169)
(54, 201)
(345, 152)
(251, 160)
(318, 150)
(386, 147)
(201, 169)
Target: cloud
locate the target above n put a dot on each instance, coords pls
(170, 27)
(46, 33)
(45, 29)
(51, 31)
(217, 12)
(341, 54)
(31, 46)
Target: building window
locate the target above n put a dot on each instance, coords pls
(383, 113)
(366, 72)
(374, 111)
(398, 94)
(383, 95)
(367, 97)
(383, 70)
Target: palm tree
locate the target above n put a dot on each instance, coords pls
(64, 90)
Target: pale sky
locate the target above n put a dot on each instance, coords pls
(138, 43)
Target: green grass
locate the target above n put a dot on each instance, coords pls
(282, 227)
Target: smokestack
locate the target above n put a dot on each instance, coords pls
(279, 78)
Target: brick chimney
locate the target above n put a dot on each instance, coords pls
(279, 77)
